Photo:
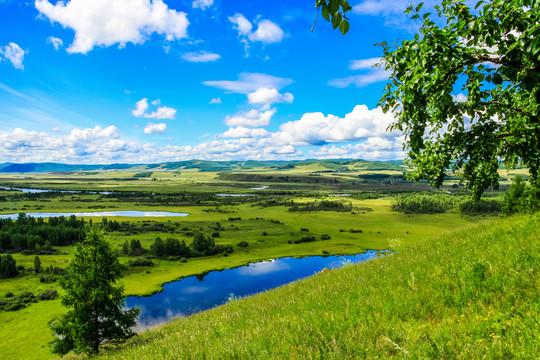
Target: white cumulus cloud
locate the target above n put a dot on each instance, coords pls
(318, 129)
(105, 22)
(269, 96)
(152, 128)
(215, 101)
(201, 56)
(252, 118)
(162, 112)
(267, 31)
(13, 53)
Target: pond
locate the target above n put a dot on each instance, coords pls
(192, 294)
(37, 191)
(98, 213)
(235, 195)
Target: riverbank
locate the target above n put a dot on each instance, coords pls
(471, 294)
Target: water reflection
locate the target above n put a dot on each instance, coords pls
(129, 213)
(197, 293)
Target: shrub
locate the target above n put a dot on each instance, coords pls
(140, 262)
(47, 279)
(8, 267)
(325, 237)
(48, 294)
(243, 244)
(482, 206)
(310, 238)
(423, 204)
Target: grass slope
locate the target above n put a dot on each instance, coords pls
(470, 295)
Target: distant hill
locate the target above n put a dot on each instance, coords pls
(202, 165)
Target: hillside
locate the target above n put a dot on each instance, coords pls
(202, 165)
(470, 295)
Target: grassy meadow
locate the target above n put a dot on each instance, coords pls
(269, 222)
(472, 294)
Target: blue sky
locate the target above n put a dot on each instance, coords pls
(140, 81)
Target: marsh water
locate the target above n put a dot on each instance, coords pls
(130, 213)
(193, 294)
(37, 191)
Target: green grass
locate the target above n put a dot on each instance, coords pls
(378, 227)
(473, 294)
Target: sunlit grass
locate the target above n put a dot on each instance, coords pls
(469, 295)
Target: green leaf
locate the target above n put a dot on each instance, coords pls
(344, 27)
(333, 6)
(325, 12)
(336, 20)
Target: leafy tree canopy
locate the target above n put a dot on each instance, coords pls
(95, 299)
(466, 90)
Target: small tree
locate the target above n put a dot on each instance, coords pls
(8, 266)
(203, 245)
(37, 265)
(95, 299)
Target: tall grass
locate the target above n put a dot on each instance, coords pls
(474, 294)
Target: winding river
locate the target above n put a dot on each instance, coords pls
(193, 294)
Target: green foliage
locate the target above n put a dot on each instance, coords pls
(423, 204)
(37, 236)
(140, 262)
(37, 265)
(492, 55)
(482, 206)
(95, 299)
(521, 198)
(145, 174)
(202, 245)
(334, 11)
(8, 266)
(133, 248)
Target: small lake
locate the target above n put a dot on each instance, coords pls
(98, 214)
(37, 191)
(236, 195)
(193, 294)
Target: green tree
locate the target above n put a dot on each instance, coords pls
(158, 248)
(491, 55)
(37, 265)
(520, 198)
(8, 266)
(203, 245)
(95, 299)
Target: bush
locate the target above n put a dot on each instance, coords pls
(423, 204)
(140, 262)
(243, 244)
(325, 237)
(48, 294)
(482, 206)
(8, 267)
(305, 239)
(47, 279)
